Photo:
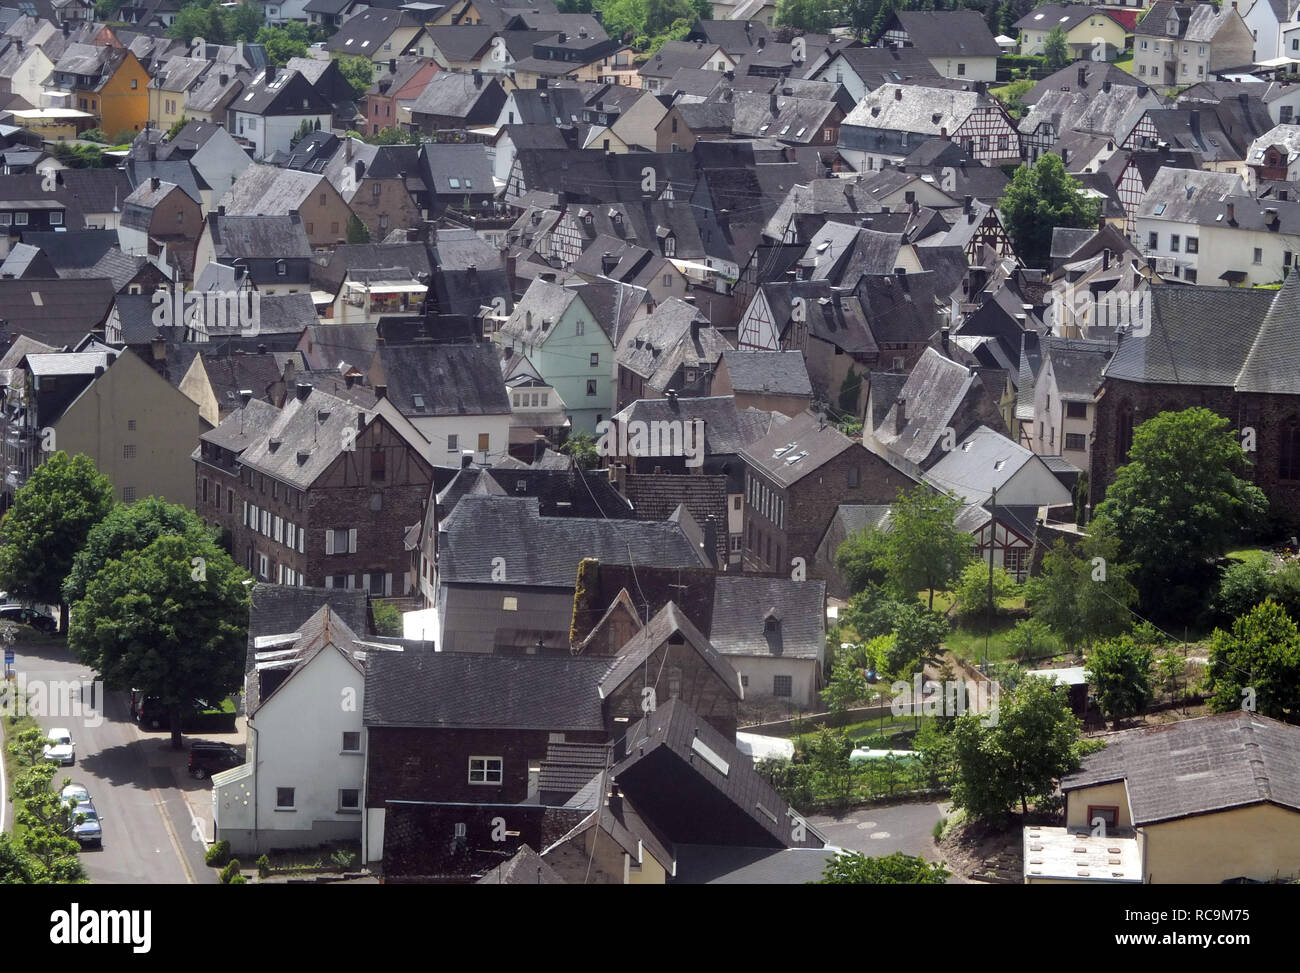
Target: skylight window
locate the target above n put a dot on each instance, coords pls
(785, 129)
(710, 758)
(453, 182)
(1160, 208)
(419, 401)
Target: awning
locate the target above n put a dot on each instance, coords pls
(1276, 62)
(1233, 276)
(387, 287)
(322, 297)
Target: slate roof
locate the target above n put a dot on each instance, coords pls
(1270, 366)
(262, 190)
(789, 453)
(450, 379)
(478, 690)
(1197, 22)
(1199, 766)
(525, 867)
(453, 94)
(775, 372)
(467, 164)
(1067, 16)
(922, 109)
(885, 65)
(57, 312)
(933, 391)
(266, 237)
(1095, 74)
(741, 605)
(1077, 365)
(981, 463)
(585, 494)
(676, 55)
(668, 621)
(955, 33)
(545, 551)
(727, 430)
(656, 495)
(659, 345)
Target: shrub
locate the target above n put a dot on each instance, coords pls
(218, 855)
(342, 860)
(230, 871)
(263, 867)
(388, 619)
(1243, 586)
(237, 880)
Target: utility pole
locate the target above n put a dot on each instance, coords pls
(988, 607)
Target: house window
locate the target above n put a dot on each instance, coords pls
(591, 386)
(1153, 241)
(1015, 560)
(284, 799)
(1173, 243)
(855, 474)
(783, 686)
(1288, 462)
(281, 268)
(1123, 431)
(128, 494)
(349, 799)
(378, 458)
(128, 451)
(1259, 256)
(1076, 442)
(1193, 244)
(20, 219)
(56, 218)
(485, 770)
(1108, 814)
(510, 603)
(595, 359)
(1076, 410)
(1189, 275)
(483, 442)
(579, 327)
(961, 69)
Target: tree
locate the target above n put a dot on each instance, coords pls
(130, 527)
(1082, 599)
(1041, 197)
(850, 389)
(43, 852)
(358, 232)
(1256, 665)
(1056, 51)
(660, 15)
(285, 42)
(1119, 672)
(305, 128)
(813, 16)
(1179, 504)
(1027, 635)
(857, 559)
(1244, 585)
(855, 868)
(972, 590)
(169, 620)
(871, 613)
(828, 754)
(179, 124)
(244, 21)
(846, 687)
(48, 524)
(388, 619)
(918, 640)
(923, 549)
(582, 448)
(1019, 758)
(199, 20)
(359, 72)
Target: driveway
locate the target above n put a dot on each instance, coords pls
(884, 829)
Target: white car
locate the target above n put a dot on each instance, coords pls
(61, 748)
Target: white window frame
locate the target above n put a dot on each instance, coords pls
(486, 771)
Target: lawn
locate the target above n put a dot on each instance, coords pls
(1250, 555)
(1125, 64)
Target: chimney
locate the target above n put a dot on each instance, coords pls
(762, 43)
(562, 38)
(965, 203)
(392, 65)
(1105, 86)
(943, 132)
(159, 348)
(20, 45)
(898, 94)
(900, 415)
(221, 211)
(1194, 122)
(771, 103)
(695, 332)
(608, 262)
(944, 333)
(223, 79)
(1232, 214)
(67, 28)
(1105, 259)
(261, 349)
(466, 457)
(303, 390)
(154, 183)
(270, 73)
(1271, 218)
(381, 391)
(478, 76)
(347, 149)
(1083, 76)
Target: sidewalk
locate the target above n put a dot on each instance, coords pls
(196, 793)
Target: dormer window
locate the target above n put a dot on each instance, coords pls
(1171, 27)
(670, 246)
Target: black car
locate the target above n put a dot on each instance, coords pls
(208, 758)
(28, 616)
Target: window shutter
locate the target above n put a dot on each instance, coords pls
(349, 579)
(329, 581)
(329, 542)
(244, 516)
(388, 585)
(365, 582)
(302, 539)
(352, 540)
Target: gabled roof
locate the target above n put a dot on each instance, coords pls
(449, 690)
(885, 65)
(276, 665)
(953, 33)
(771, 372)
(804, 444)
(263, 237)
(742, 604)
(933, 392)
(1067, 16)
(982, 462)
(1198, 766)
(442, 379)
(727, 430)
(262, 190)
(545, 551)
(667, 622)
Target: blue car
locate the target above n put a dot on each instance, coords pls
(87, 828)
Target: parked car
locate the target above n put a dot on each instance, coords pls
(28, 616)
(75, 792)
(212, 758)
(87, 828)
(61, 749)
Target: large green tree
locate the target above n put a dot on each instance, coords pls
(48, 524)
(1083, 598)
(922, 549)
(1030, 742)
(1119, 672)
(359, 72)
(1040, 198)
(1056, 49)
(130, 527)
(814, 16)
(1256, 665)
(1179, 504)
(169, 620)
(855, 868)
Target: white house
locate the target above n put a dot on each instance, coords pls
(1266, 20)
(302, 782)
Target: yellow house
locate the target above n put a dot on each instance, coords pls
(1090, 33)
(108, 82)
(1201, 801)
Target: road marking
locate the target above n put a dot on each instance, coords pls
(879, 834)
